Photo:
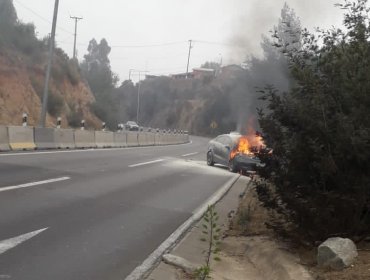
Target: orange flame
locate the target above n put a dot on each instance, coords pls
(247, 145)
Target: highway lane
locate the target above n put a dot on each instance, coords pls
(113, 208)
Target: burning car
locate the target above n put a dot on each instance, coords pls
(235, 151)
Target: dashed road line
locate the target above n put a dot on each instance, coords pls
(32, 184)
(146, 163)
(191, 154)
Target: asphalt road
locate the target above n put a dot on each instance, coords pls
(96, 214)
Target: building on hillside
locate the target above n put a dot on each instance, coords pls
(232, 71)
(182, 75)
(200, 73)
(232, 68)
(152, 77)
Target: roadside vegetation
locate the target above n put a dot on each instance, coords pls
(318, 173)
(212, 236)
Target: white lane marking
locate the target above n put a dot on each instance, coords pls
(32, 184)
(91, 150)
(146, 163)
(191, 154)
(10, 243)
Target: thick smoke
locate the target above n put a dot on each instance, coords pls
(257, 17)
(251, 45)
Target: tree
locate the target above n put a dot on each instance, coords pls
(96, 67)
(102, 81)
(8, 15)
(319, 130)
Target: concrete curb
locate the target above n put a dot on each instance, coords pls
(154, 258)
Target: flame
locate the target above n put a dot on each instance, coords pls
(248, 145)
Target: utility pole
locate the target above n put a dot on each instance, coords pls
(76, 19)
(187, 67)
(138, 91)
(129, 74)
(138, 101)
(50, 60)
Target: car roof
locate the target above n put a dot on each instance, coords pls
(233, 136)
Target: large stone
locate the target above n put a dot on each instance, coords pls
(337, 253)
(179, 263)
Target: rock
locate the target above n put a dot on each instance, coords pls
(337, 253)
(179, 262)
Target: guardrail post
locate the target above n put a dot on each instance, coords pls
(83, 125)
(24, 119)
(59, 122)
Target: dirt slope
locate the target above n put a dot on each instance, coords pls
(21, 86)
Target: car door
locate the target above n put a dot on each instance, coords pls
(216, 147)
(225, 147)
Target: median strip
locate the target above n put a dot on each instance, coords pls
(146, 163)
(32, 184)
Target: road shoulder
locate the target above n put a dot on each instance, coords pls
(257, 256)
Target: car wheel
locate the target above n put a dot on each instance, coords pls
(232, 166)
(210, 161)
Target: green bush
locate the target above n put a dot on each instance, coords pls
(319, 132)
(25, 39)
(55, 104)
(74, 118)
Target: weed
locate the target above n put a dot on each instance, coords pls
(211, 231)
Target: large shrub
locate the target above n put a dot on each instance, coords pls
(320, 131)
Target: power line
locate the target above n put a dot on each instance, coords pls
(148, 45)
(132, 46)
(149, 58)
(167, 69)
(214, 43)
(218, 44)
(41, 17)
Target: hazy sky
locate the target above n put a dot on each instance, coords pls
(160, 29)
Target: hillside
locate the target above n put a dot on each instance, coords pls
(21, 89)
(194, 104)
(22, 74)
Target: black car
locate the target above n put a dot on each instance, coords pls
(224, 150)
(131, 126)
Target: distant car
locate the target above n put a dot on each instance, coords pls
(120, 127)
(224, 150)
(131, 126)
